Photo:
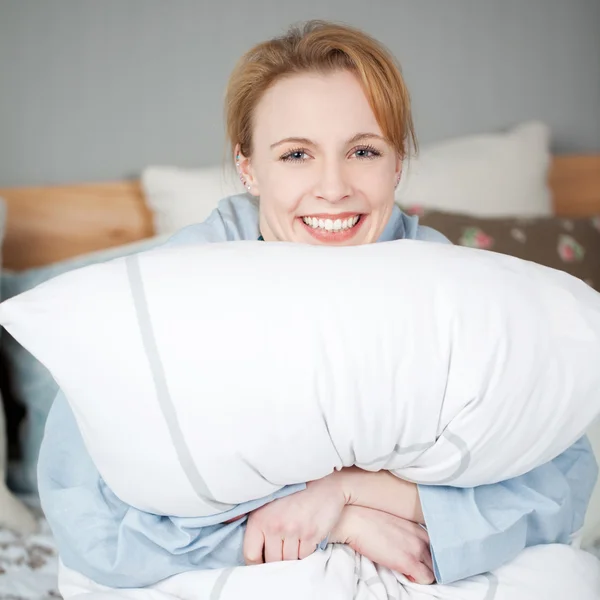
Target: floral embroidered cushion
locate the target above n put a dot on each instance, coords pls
(571, 245)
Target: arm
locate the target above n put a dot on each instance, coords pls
(476, 530)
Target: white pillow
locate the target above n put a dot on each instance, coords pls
(229, 370)
(502, 174)
(181, 197)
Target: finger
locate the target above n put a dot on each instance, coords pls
(273, 549)
(413, 529)
(291, 547)
(417, 571)
(254, 543)
(426, 558)
(306, 549)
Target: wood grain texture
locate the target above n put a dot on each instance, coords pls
(575, 184)
(49, 224)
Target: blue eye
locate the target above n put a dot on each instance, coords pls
(292, 156)
(298, 155)
(366, 149)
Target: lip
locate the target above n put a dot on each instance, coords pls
(333, 217)
(331, 236)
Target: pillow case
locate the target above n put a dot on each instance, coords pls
(571, 245)
(503, 174)
(28, 383)
(237, 368)
(180, 197)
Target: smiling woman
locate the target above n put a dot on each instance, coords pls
(321, 143)
(344, 172)
(318, 123)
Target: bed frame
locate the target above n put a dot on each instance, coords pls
(48, 224)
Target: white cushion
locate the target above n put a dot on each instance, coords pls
(179, 197)
(502, 174)
(204, 376)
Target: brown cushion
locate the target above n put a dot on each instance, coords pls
(571, 245)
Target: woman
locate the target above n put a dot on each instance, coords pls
(319, 123)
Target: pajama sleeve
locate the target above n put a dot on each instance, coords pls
(476, 530)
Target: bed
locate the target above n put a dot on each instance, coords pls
(46, 225)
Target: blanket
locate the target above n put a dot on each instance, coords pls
(550, 572)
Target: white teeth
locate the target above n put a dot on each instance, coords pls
(331, 224)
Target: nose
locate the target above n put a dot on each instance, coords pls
(333, 183)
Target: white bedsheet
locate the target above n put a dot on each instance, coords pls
(29, 569)
(544, 572)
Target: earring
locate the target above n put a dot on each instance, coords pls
(237, 164)
(398, 180)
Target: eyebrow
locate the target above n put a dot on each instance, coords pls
(307, 142)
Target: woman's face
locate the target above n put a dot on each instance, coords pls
(320, 164)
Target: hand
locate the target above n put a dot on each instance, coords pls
(292, 527)
(393, 542)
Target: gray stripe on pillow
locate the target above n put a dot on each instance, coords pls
(162, 390)
(220, 584)
(465, 456)
(455, 440)
(492, 586)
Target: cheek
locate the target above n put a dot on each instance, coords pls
(280, 194)
(380, 197)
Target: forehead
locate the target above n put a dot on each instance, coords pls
(314, 106)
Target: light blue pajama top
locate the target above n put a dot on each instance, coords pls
(472, 530)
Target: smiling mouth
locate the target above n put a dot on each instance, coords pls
(332, 225)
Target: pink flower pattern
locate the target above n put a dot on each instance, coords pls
(569, 249)
(474, 237)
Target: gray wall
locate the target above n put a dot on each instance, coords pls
(97, 89)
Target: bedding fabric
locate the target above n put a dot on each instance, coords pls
(318, 363)
(548, 572)
(487, 175)
(514, 366)
(571, 245)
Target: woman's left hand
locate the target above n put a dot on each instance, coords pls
(291, 528)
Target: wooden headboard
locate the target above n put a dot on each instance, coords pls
(48, 224)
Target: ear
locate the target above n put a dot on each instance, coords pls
(245, 172)
(398, 170)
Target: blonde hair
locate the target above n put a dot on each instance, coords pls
(323, 47)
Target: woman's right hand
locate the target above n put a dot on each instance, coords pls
(392, 542)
